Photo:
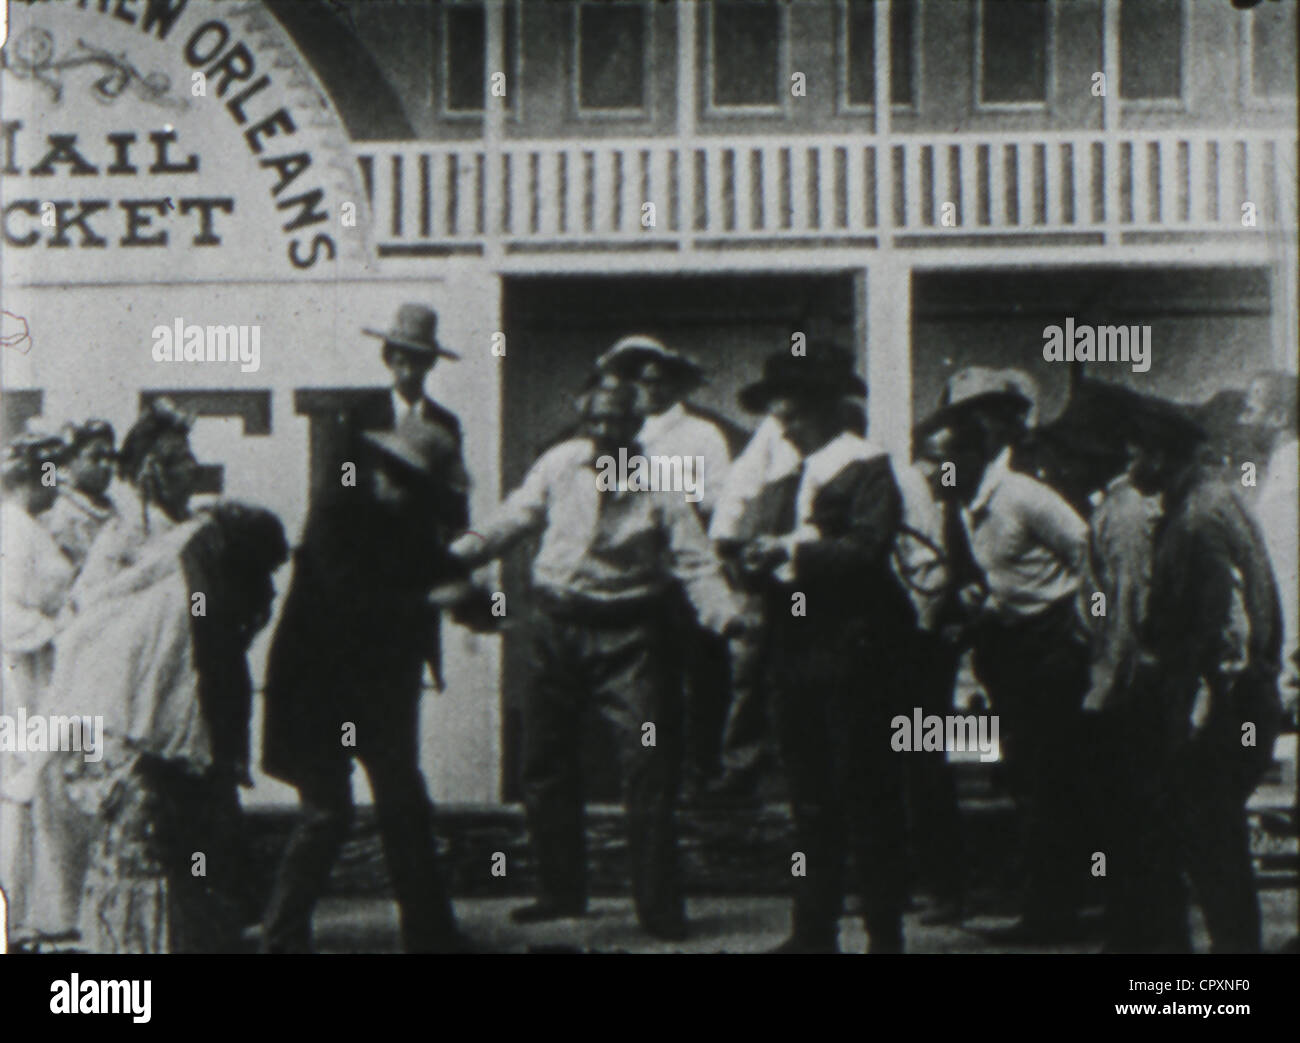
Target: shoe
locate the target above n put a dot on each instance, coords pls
(945, 912)
(544, 910)
(799, 946)
(666, 930)
(1035, 932)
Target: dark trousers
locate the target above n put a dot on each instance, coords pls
(620, 668)
(933, 814)
(705, 690)
(405, 815)
(1178, 815)
(1035, 671)
(833, 702)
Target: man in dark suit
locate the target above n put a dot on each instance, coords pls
(344, 671)
(836, 616)
(1205, 708)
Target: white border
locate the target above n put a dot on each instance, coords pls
(514, 77)
(1049, 67)
(1179, 103)
(1246, 51)
(645, 111)
(782, 107)
(843, 106)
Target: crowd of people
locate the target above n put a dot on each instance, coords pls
(1121, 584)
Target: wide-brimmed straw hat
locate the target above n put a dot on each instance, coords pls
(1001, 393)
(416, 329)
(628, 354)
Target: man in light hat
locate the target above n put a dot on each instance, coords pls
(835, 614)
(343, 681)
(410, 349)
(673, 427)
(1019, 555)
(606, 565)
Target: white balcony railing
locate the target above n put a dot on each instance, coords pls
(711, 191)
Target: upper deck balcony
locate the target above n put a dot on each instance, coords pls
(1108, 188)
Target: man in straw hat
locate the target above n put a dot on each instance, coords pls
(1019, 556)
(604, 574)
(673, 428)
(835, 611)
(343, 681)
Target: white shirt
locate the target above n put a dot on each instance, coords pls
(675, 432)
(1031, 545)
(602, 546)
(401, 408)
(766, 458)
(818, 469)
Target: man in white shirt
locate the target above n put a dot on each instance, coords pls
(673, 428)
(604, 577)
(1019, 554)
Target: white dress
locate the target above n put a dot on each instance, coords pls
(35, 578)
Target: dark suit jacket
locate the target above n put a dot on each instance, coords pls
(355, 628)
(845, 575)
(1209, 564)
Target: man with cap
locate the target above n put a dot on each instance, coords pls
(1207, 688)
(604, 574)
(835, 612)
(673, 427)
(1019, 558)
(343, 681)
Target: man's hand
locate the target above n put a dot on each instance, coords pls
(449, 595)
(763, 553)
(972, 597)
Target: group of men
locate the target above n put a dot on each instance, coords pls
(829, 586)
(819, 587)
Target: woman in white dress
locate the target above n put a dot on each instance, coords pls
(174, 693)
(35, 579)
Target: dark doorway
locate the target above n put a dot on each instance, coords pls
(557, 326)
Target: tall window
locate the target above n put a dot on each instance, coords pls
(1012, 52)
(746, 50)
(612, 57)
(465, 75)
(1271, 52)
(858, 33)
(1152, 36)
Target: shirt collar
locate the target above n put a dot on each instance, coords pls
(401, 407)
(841, 450)
(993, 475)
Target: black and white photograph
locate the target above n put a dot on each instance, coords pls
(650, 477)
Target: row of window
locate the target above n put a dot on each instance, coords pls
(747, 54)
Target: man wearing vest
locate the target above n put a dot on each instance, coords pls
(835, 613)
